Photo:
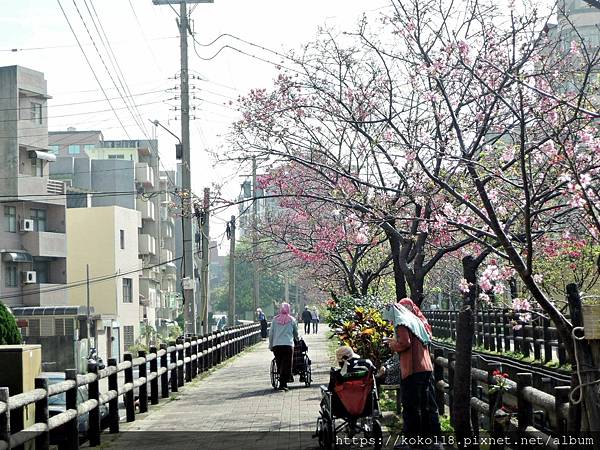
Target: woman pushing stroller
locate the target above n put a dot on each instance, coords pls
(282, 334)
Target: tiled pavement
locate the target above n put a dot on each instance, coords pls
(236, 401)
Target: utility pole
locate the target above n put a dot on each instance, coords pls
(231, 237)
(186, 178)
(87, 319)
(205, 258)
(255, 277)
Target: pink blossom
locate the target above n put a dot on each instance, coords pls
(463, 286)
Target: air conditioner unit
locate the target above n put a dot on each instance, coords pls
(29, 277)
(26, 225)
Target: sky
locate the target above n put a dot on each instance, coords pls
(144, 40)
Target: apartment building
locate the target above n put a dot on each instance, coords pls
(33, 244)
(127, 174)
(113, 262)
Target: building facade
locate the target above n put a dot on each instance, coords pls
(33, 244)
(113, 262)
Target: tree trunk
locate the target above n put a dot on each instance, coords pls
(399, 279)
(465, 327)
(416, 289)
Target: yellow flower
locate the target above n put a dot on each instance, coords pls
(368, 331)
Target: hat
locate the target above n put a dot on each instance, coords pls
(345, 352)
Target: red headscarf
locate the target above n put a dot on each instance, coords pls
(412, 307)
(284, 314)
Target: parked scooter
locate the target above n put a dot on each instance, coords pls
(93, 358)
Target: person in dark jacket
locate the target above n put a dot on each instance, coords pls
(307, 319)
(262, 319)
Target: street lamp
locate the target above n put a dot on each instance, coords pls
(178, 147)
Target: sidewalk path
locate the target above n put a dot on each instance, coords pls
(234, 400)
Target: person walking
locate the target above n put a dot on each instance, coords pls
(283, 333)
(307, 319)
(262, 319)
(412, 336)
(315, 320)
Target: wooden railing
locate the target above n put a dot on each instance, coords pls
(170, 367)
(519, 408)
(494, 331)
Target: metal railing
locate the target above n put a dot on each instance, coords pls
(163, 369)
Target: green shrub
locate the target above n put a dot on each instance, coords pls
(9, 333)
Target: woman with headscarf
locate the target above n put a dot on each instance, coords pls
(412, 336)
(283, 333)
(262, 319)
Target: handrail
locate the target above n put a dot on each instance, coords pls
(188, 358)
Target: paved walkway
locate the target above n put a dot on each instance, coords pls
(235, 407)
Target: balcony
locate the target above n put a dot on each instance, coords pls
(147, 209)
(144, 175)
(45, 244)
(45, 294)
(146, 245)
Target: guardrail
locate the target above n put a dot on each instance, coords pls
(536, 413)
(180, 362)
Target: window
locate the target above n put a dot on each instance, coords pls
(36, 113)
(42, 269)
(88, 147)
(128, 340)
(59, 327)
(127, 290)
(54, 149)
(11, 274)
(37, 167)
(39, 219)
(33, 328)
(122, 239)
(116, 156)
(10, 219)
(74, 149)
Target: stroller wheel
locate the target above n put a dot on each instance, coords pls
(274, 374)
(377, 435)
(319, 432)
(307, 372)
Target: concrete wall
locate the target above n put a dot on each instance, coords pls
(113, 175)
(58, 352)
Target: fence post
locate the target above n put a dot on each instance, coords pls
(113, 405)
(546, 338)
(42, 442)
(143, 391)
(72, 427)
(451, 358)
(525, 414)
(188, 365)
(154, 382)
(164, 378)
(194, 354)
(94, 417)
(475, 392)
(173, 360)
(128, 396)
(561, 397)
(498, 331)
(180, 357)
(506, 330)
(438, 375)
(5, 418)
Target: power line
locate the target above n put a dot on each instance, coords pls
(52, 47)
(90, 65)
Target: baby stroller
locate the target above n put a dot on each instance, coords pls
(353, 408)
(300, 365)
